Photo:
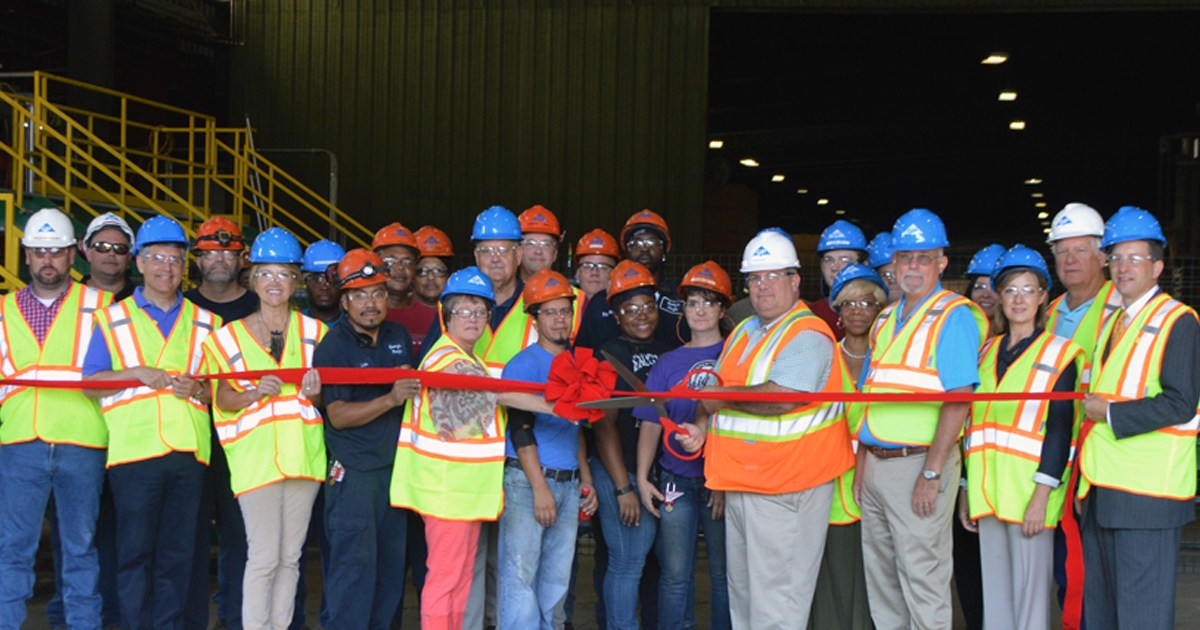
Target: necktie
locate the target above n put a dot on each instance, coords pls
(1118, 329)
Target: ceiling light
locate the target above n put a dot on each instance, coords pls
(801, 191)
(716, 144)
(1005, 96)
(1017, 125)
(822, 202)
(1040, 204)
(777, 178)
(1043, 215)
(1045, 223)
(1037, 195)
(839, 212)
(1045, 230)
(749, 162)
(994, 59)
(1033, 181)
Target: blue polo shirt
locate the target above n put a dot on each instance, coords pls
(957, 356)
(557, 438)
(1069, 318)
(99, 359)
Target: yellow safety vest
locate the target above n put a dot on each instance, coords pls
(845, 511)
(1106, 302)
(57, 416)
(906, 362)
(145, 423)
(276, 438)
(515, 333)
(1004, 440)
(458, 480)
(1161, 463)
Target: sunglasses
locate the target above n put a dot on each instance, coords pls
(105, 247)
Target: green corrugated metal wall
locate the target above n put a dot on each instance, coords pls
(437, 110)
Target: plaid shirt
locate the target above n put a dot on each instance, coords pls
(39, 317)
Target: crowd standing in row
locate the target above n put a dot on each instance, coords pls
(818, 509)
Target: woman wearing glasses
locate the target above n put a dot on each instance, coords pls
(270, 430)
(1018, 451)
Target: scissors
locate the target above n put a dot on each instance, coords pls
(638, 401)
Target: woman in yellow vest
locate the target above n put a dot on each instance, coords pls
(1018, 451)
(272, 432)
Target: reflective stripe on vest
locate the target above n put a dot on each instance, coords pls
(1160, 463)
(515, 333)
(57, 416)
(1106, 302)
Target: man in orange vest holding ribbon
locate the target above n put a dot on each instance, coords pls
(1138, 455)
(776, 461)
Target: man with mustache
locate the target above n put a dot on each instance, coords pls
(908, 463)
(397, 246)
(107, 243)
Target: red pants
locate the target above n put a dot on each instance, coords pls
(452, 547)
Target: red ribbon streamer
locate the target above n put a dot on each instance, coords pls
(575, 377)
(1072, 615)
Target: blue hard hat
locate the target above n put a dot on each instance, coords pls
(160, 229)
(320, 255)
(497, 223)
(1131, 223)
(918, 229)
(469, 281)
(983, 263)
(841, 234)
(852, 272)
(1021, 258)
(276, 245)
(879, 250)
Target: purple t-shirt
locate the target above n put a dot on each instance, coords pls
(667, 373)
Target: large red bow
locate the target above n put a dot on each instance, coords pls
(576, 377)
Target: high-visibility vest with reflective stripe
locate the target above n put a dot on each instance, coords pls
(458, 480)
(57, 416)
(145, 423)
(276, 438)
(845, 511)
(1004, 441)
(1161, 463)
(791, 452)
(906, 362)
(1106, 302)
(515, 333)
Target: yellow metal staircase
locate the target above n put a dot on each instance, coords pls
(141, 159)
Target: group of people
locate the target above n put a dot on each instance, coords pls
(820, 506)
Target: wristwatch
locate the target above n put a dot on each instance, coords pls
(625, 490)
(931, 475)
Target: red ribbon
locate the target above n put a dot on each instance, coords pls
(575, 377)
(1072, 614)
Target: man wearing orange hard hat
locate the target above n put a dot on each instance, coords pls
(397, 247)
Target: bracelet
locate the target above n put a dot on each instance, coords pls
(625, 490)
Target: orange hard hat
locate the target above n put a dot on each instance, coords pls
(433, 242)
(708, 275)
(628, 275)
(219, 233)
(546, 285)
(597, 242)
(360, 268)
(541, 221)
(646, 219)
(394, 234)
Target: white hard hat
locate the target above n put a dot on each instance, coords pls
(105, 221)
(49, 227)
(770, 249)
(1076, 219)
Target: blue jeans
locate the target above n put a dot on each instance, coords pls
(30, 472)
(676, 547)
(627, 550)
(535, 561)
(106, 548)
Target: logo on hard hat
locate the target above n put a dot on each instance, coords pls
(45, 228)
(539, 218)
(1063, 220)
(553, 283)
(630, 272)
(704, 273)
(401, 232)
(477, 280)
(597, 241)
(432, 240)
(836, 234)
(913, 231)
(761, 251)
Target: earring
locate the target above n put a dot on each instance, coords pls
(839, 323)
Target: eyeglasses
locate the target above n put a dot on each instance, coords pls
(887, 276)
(595, 266)
(644, 243)
(845, 260)
(700, 306)
(159, 259)
(362, 295)
(41, 252)
(494, 250)
(468, 314)
(861, 305)
(631, 310)
(906, 258)
(538, 244)
(552, 313)
(317, 278)
(1133, 259)
(1027, 290)
(282, 276)
(432, 271)
(219, 253)
(981, 286)
(396, 263)
(754, 280)
(104, 247)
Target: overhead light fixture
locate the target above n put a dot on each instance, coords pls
(1045, 223)
(994, 59)
(777, 178)
(716, 144)
(1037, 195)
(822, 202)
(1040, 204)
(1033, 181)
(1043, 215)
(1045, 230)
(839, 211)
(1004, 96)
(1017, 125)
(801, 191)
(748, 162)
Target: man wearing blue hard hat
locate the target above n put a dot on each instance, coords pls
(841, 244)
(908, 461)
(324, 296)
(879, 257)
(1138, 461)
(979, 278)
(159, 432)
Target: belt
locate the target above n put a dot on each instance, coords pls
(551, 474)
(883, 452)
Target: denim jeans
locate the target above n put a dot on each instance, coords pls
(30, 472)
(676, 548)
(106, 548)
(627, 550)
(535, 561)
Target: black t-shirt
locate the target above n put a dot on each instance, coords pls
(598, 325)
(229, 311)
(639, 357)
(371, 446)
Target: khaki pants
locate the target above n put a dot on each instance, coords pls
(276, 519)
(1018, 575)
(773, 548)
(908, 560)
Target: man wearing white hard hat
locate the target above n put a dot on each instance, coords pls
(107, 245)
(777, 462)
(53, 440)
